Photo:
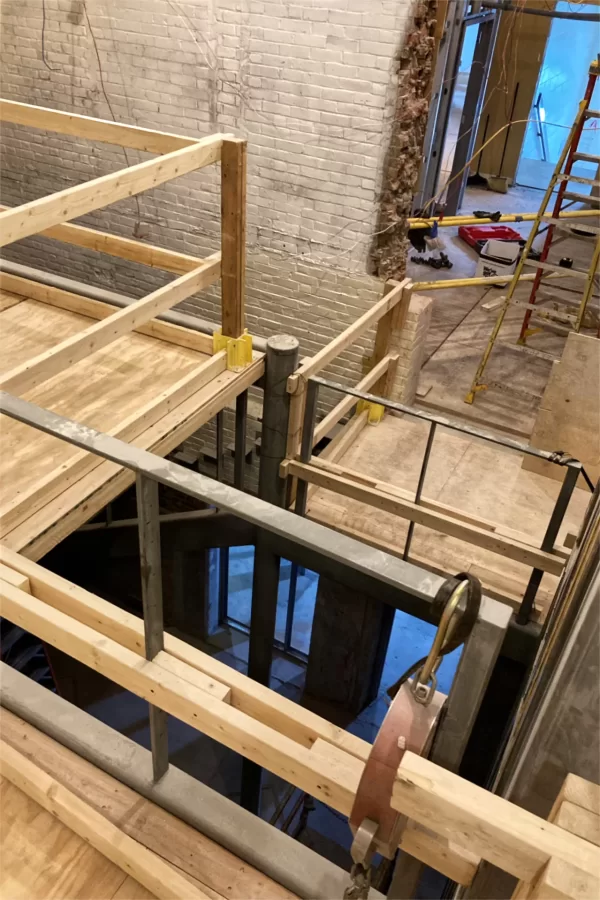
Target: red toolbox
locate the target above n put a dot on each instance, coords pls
(476, 235)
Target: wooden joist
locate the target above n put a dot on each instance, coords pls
(30, 218)
(163, 880)
(346, 338)
(44, 490)
(124, 248)
(500, 832)
(258, 723)
(92, 129)
(345, 405)
(32, 372)
(389, 502)
(96, 309)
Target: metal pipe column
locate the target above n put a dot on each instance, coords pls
(281, 361)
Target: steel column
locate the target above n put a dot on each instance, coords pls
(239, 461)
(422, 474)
(558, 513)
(151, 576)
(220, 445)
(281, 361)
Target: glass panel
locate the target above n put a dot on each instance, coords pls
(561, 86)
(304, 609)
(241, 570)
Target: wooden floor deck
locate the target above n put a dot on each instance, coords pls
(44, 859)
(153, 388)
(471, 476)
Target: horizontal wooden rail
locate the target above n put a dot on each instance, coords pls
(92, 129)
(347, 337)
(345, 405)
(273, 731)
(500, 832)
(151, 870)
(124, 248)
(476, 282)
(43, 366)
(38, 215)
(522, 553)
(97, 309)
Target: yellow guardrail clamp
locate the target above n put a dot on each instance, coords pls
(375, 410)
(239, 350)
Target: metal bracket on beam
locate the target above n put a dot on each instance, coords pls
(239, 350)
(375, 411)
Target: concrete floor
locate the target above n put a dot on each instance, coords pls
(460, 328)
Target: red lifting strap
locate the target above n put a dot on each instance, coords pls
(408, 725)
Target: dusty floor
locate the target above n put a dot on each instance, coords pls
(460, 328)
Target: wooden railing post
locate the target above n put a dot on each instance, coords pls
(233, 235)
(388, 327)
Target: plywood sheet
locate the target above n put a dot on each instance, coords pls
(42, 859)
(569, 414)
(471, 475)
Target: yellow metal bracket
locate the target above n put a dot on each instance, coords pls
(375, 410)
(239, 350)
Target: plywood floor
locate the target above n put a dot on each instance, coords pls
(102, 391)
(42, 859)
(472, 475)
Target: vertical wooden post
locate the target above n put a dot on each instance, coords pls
(233, 235)
(388, 328)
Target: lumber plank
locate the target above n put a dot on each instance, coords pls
(233, 235)
(346, 338)
(329, 781)
(392, 503)
(42, 859)
(579, 791)
(561, 880)
(96, 309)
(122, 247)
(579, 821)
(200, 858)
(344, 406)
(30, 218)
(502, 833)
(46, 489)
(391, 324)
(7, 300)
(17, 579)
(34, 371)
(92, 129)
(136, 860)
(256, 700)
(39, 533)
(220, 721)
(424, 844)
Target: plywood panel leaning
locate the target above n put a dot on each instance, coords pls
(569, 415)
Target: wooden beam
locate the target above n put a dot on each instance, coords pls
(124, 248)
(233, 235)
(15, 578)
(505, 835)
(249, 696)
(345, 405)
(96, 309)
(30, 218)
(39, 533)
(92, 129)
(346, 338)
(563, 881)
(392, 323)
(41, 492)
(163, 880)
(32, 372)
(312, 772)
(389, 502)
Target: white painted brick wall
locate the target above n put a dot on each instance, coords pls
(309, 83)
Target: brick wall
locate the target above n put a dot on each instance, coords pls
(312, 85)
